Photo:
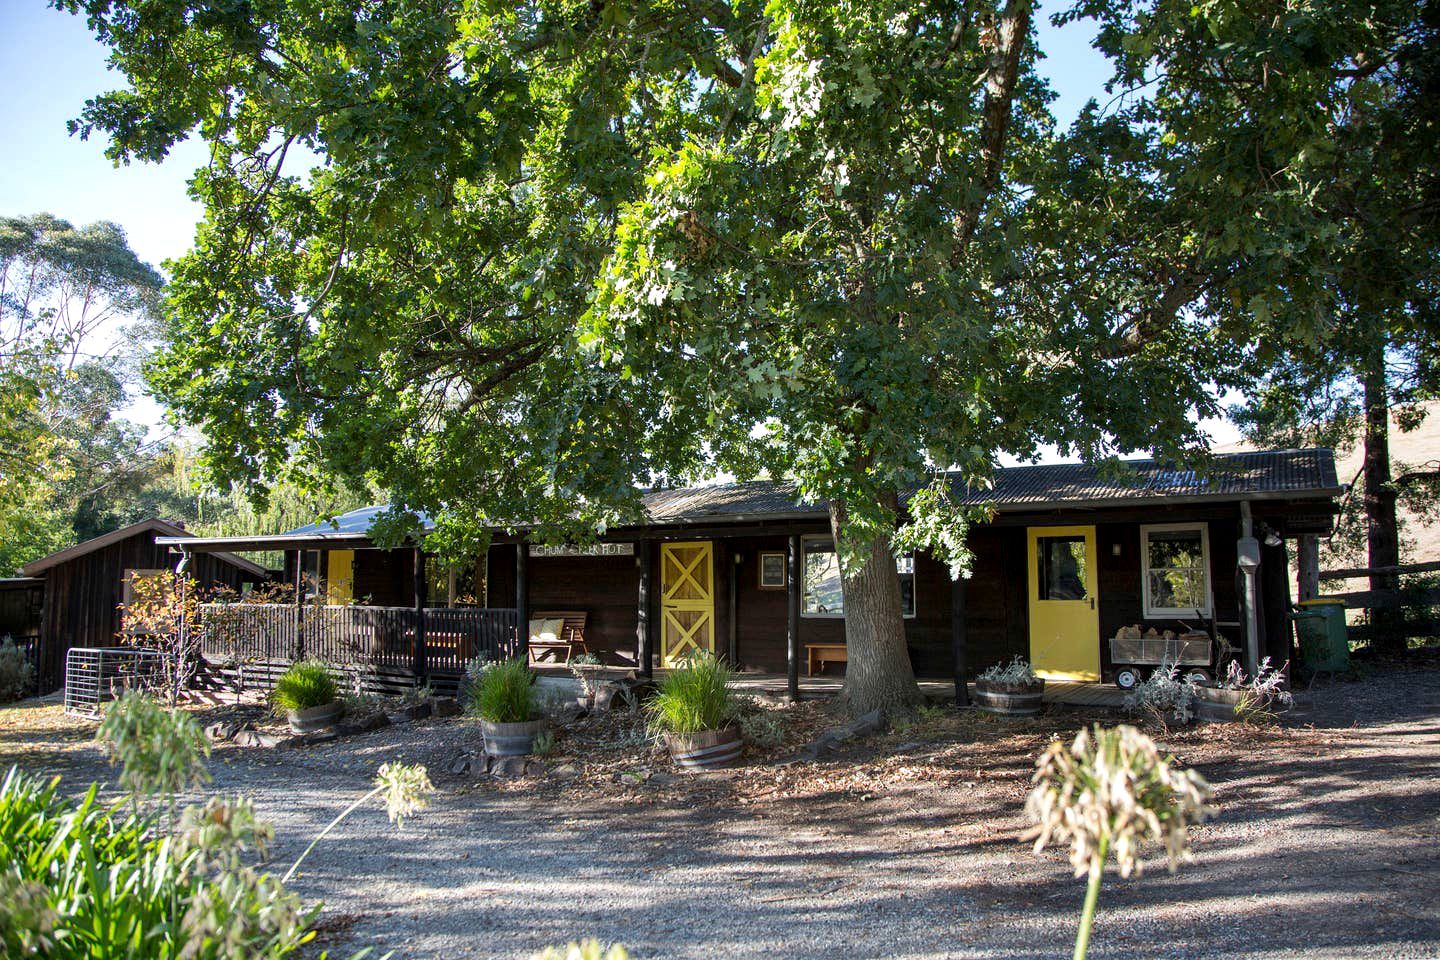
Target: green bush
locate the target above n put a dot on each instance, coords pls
(503, 693)
(693, 698)
(306, 684)
(81, 880)
(160, 751)
(17, 674)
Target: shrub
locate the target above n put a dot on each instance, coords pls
(17, 674)
(1016, 673)
(504, 692)
(161, 751)
(1163, 696)
(693, 698)
(1262, 693)
(306, 684)
(760, 727)
(83, 881)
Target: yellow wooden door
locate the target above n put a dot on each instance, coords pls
(687, 600)
(1064, 603)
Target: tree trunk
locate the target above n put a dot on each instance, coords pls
(878, 675)
(1382, 533)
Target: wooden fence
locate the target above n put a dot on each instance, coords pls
(401, 644)
(1419, 606)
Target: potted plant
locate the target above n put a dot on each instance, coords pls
(504, 699)
(694, 711)
(308, 696)
(586, 668)
(1237, 696)
(1010, 689)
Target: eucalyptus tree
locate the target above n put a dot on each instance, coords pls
(547, 252)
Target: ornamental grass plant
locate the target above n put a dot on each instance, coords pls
(693, 698)
(307, 684)
(504, 692)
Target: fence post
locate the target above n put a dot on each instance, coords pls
(420, 660)
(299, 652)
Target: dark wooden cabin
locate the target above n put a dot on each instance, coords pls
(84, 586)
(747, 570)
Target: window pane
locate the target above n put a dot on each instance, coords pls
(822, 579)
(1177, 590)
(907, 595)
(1176, 548)
(1061, 568)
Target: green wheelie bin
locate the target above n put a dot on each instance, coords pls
(1324, 637)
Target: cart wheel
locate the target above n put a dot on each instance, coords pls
(1197, 676)
(1126, 678)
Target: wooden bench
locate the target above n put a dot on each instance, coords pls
(572, 635)
(819, 654)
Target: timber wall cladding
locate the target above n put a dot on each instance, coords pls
(606, 588)
(82, 597)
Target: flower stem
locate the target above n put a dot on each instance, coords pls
(323, 833)
(1092, 896)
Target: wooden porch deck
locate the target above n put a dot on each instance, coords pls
(1069, 693)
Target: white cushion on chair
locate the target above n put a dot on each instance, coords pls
(546, 631)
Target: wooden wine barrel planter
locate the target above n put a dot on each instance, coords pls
(1010, 701)
(707, 750)
(1214, 705)
(511, 739)
(314, 719)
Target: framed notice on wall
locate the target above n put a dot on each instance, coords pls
(772, 570)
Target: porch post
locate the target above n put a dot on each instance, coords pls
(522, 596)
(1307, 558)
(792, 619)
(419, 617)
(299, 652)
(644, 635)
(732, 621)
(957, 640)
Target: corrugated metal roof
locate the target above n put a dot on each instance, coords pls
(1233, 476)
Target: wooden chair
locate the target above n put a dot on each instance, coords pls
(572, 635)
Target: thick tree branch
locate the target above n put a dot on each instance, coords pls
(1006, 41)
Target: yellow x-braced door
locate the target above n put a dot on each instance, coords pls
(687, 600)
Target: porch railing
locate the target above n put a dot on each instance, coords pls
(379, 637)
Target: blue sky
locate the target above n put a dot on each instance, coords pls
(50, 65)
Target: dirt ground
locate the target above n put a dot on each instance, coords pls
(904, 845)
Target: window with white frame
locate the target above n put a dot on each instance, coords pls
(821, 568)
(1176, 569)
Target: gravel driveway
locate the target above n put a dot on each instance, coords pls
(1326, 847)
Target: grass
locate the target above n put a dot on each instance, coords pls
(306, 684)
(503, 693)
(693, 698)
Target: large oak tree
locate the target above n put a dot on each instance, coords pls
(550, 251)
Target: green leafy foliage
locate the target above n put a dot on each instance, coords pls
(693, 697)
(308, 683)
(601, 246)
(161, 751)
(83, 881)
(17, 674)
(504, 692)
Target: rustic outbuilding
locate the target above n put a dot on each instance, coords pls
(84, 587)
(1071, 557)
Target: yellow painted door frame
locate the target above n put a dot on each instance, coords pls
(1064, 604)
(687, 600)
